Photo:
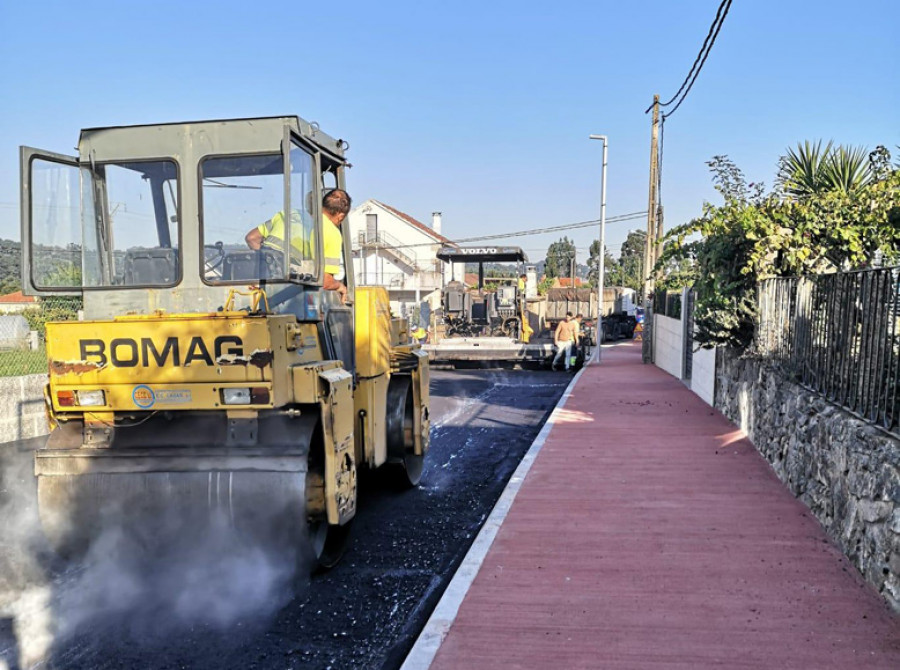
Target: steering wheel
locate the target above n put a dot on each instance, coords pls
(212, 263)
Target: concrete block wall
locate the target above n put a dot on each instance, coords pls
(22, 414)
(668, 344)
(703, 373)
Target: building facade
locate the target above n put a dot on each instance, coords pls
(394, 250)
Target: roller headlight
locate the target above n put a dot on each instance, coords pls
(236, 396)
(90, 398)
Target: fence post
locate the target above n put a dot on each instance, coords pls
(687, 333)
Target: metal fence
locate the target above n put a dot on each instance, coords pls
(668, 303)
(22, 334)
(839, 335)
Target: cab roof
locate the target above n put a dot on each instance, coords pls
(226, 134)
(482, 254)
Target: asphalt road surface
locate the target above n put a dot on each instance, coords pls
(365, 613)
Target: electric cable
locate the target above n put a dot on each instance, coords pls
(553, 229)
(709, 35)
(534, 231)
(727, 6)
(659, 160)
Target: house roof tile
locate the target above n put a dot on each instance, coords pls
(413, 222)
(17, 297)
(564, 282)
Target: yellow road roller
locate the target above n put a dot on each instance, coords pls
(224, 363)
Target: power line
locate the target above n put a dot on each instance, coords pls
(727, 4)
(703, 49)
(699, 61)
(533, 231)
(553, 229)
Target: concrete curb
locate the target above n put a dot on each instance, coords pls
(438, 625)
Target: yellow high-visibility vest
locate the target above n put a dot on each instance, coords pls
(305, 246)
(273, 235)
(334, 248)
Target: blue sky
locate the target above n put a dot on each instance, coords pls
(481, 110)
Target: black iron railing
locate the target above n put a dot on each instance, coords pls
(839, 335)
(668, 303)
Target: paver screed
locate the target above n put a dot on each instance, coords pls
(650, 533)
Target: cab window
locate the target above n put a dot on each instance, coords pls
(114, 224)
(244, 226)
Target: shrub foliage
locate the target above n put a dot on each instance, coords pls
(805, 226)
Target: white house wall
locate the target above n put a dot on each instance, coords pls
(378, 269)
(413, 242)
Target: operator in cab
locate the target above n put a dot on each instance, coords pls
(335, 207)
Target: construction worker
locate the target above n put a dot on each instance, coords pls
(523, 282)
(563, 338)
(335, 207)
(576, 342)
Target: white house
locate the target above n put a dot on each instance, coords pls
(15, 303)
(394, 250)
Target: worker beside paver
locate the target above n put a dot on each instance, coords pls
(576, 346)
(564, 338)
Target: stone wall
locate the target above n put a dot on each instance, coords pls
(22, 413)
(845, 470)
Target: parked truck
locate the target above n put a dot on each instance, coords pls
(618, 310)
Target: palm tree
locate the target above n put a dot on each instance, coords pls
(848, 168)
(812, 169)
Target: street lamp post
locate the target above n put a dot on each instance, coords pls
(601, 271)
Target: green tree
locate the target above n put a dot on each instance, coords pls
(631, 259)
(559, 258)
(544, 284)
(611, 266)
(10, 285)
(751, 237)
(677, 271)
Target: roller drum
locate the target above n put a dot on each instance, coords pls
(168, 495)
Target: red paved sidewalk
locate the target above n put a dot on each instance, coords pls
(650, 533)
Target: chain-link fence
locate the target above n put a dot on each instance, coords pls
(839, 335)
(22, 334)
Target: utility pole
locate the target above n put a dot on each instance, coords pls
(601, 269)
(652, 204)
(650, 248)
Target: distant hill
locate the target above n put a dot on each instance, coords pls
(10, 266)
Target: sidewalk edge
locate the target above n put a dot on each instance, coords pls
(439, 623)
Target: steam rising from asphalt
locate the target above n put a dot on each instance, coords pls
(208, 577)
(25, 619)
(128, 584)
